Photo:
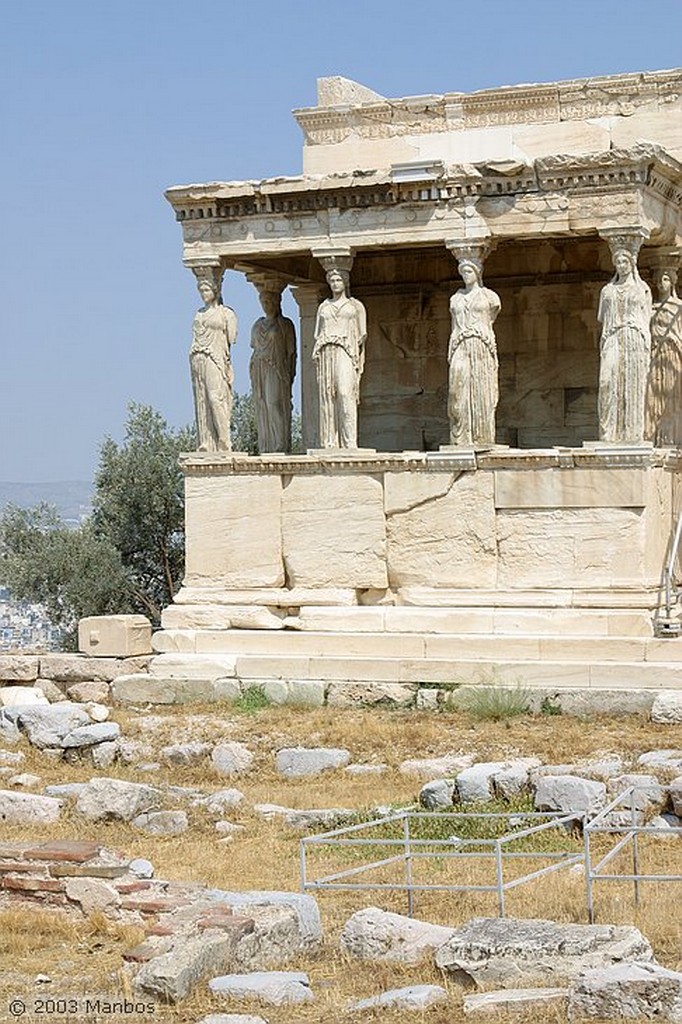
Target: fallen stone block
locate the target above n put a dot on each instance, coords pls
(675, 790)
(437, 795)
(231, 758)
(446, 766)
(307, 915)
(641, 991)
(667, 708)
(18, 668)
(138, 688)
(113, 799)
(353, 695)
(569, 794)
(47, 725)
(512, 1001)
(277, 988)
(475, 784)
(93, 894)
(96, 690)
(413, 997)
(520, 952)
(374, 934)
(318, 817)
(174, 974)
(190, 753)
(21, 696)
(90, 735)
(301, 762)
(28, 808)
(120, 636)
(216, 804)
(162, 823)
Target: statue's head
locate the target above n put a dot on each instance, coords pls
(624, 262)
(338, 280)
(207, 290)
(666, 279)
(471, 271)
(271, 301)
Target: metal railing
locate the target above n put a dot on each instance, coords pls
(405, 850)
(631, 835)
(666, 626)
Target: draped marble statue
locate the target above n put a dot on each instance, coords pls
(664, 390)
(625, 309)
(272, 370)
(213, 333)
(473, 388)
(339, 355)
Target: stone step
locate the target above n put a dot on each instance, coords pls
(194, 648)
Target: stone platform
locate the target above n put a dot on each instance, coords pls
(542, 567)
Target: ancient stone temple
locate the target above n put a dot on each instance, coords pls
(506, 482)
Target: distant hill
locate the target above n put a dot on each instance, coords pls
(73, 498)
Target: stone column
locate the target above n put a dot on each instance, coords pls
(473, 373)
(663, 409)
(272, 365)
(625, 344)
(308, 297)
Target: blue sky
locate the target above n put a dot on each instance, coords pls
(105, 103)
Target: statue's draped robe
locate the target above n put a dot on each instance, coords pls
(339, 352)
(213, 332)
(473, 368)
(625, 349)
(664, 390)
(272, 369)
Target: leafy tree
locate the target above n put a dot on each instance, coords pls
(138, 505)
(244, 429)
(71, 572)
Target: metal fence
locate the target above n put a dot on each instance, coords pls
(407, 848)
(631, 837)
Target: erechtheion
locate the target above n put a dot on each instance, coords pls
(491, 474)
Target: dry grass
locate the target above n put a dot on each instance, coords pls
(86, 956)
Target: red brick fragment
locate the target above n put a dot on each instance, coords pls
(64, 849)
(159, 929)
(138, 886)
(31, 884)
(239, 925)
(158, 906)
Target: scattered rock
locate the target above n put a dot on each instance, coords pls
(18, 668)
(374, 934)
(97, 712)
(97, 691)
(437, 794)
(50, 690)
(162, 823)
(675, 790)
(649, 795)
(25, 780)
(671, 760)
(318, 817)
(133, 751)
(569, 794)
(514, 952)
(300, 762)
(11, 757)
(666, 822)
(172, 975)
(47, 725)
(306, 912)
(365, 769)
(231, 758)
(278, 988)
(89, 735)
(353, 695)
(92, 894)
(643, 991)
(103, 755)
(21, 696)
(185, 753)
(475, 784)
(217, 803)
(65, 790)
(141, 868)
(27, 808)
(9, 732)
(414, 997)
(514, 780)
(513, 1000)
(667, 708)
(228, 828)
(112, 799)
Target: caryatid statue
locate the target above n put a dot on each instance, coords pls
(272, 370)
(625, 309)
(663, 417)
(339, 355)
(473, 388)
(213, 333)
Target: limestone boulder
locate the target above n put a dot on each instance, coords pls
(231, 758)
(370, 694)
(183, 754)
(374, 934)
(106, 799)
(21, 696)
(175, 973)
(89, 735)
(303, 762)
(318, 817)
(513, 780)
(519, 952)
(635, 991)
(437, 795)
(27, 808)
(569, 794)
(46, 726)
(97, 691)
(669, 760)
(306, 915)
(429, 767)
(676, 796)
(412, 997)
(277, 988)
(475, 784)
(667, 708)
(511, 1001)
(18, 668)
(93, 894)
(216, 804)
(162, 823)
(649, 796)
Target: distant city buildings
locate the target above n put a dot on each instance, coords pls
(25, 626)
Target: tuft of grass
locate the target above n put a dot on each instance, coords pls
(491, 702)
(550, 707)
(251, 701)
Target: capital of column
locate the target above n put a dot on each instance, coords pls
(309, 296)
(625, 237)
(210, 271)
(663, 258)
(266, 280)
(469, 250)
(335, 258)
